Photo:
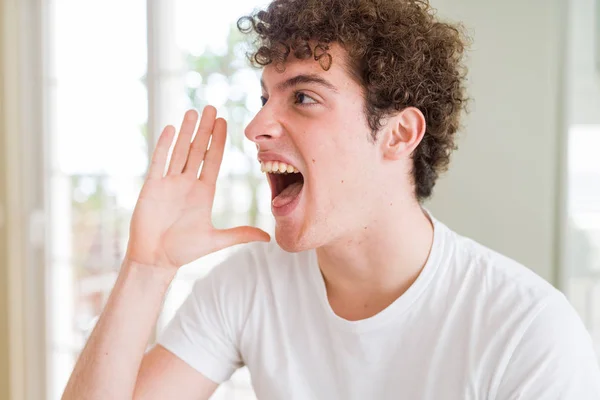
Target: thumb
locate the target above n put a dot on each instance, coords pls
(241, 234)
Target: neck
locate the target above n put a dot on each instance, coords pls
(371, 268)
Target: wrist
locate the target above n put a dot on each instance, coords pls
(156, 276)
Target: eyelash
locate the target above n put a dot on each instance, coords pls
(264, 99)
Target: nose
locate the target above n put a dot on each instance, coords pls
(264, 127)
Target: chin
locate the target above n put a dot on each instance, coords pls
(289, 242)
(292, 240)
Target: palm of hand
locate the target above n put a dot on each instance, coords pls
(171, 223)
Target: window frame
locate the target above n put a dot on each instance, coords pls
(22, 65)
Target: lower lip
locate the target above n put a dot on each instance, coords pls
(286, 210)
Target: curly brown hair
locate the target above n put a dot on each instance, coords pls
(398, 51)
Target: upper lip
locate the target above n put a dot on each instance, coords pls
(272, 156)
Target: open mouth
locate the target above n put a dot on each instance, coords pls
(285, 180)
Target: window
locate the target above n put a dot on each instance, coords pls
(116, 72)
(581, 260)
(583, 226)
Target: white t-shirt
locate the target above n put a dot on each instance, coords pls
(474, 325)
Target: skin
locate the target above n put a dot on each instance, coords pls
(357, 209)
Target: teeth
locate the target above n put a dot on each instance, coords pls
(278, 167)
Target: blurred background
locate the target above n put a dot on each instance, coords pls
(86, 86)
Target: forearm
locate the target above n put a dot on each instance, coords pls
(108, 365)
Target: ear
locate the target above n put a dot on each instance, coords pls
(404, 132)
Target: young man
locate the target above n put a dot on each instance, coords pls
(365, 295)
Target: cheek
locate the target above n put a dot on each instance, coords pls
(337, 148)
(343, 169)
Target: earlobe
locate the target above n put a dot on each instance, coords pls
(404, 133)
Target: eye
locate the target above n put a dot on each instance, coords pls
(304, 99)
(263, 100)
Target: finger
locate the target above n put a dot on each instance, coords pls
(200, 142)
(214, 155)
(161, 153)
(182, 147)
(242, 234)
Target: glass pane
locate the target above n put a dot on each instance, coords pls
(582, 236)
(97, 136)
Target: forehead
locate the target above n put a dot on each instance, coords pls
(337, 74)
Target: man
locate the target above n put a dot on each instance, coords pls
(365, 295)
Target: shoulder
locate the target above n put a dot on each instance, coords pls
(553, 358)
(543, 346)
(496, 294)
(241, 280)
(491, 273)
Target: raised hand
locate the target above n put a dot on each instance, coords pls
(171, 224)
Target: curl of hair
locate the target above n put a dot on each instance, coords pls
(398, 51)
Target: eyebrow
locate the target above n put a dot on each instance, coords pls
(299, 79)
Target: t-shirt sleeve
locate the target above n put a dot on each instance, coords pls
(554, 359)
(206, 329)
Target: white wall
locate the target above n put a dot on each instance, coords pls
(502, 185)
